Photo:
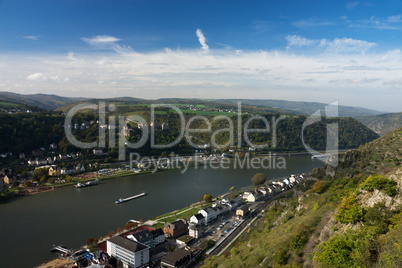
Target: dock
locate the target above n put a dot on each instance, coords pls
(122, 200)
(60, 248)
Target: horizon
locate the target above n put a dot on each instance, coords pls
(202, 99)
(306, 52)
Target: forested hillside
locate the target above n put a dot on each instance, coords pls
(24, 132)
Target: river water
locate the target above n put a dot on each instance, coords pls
(30, 225)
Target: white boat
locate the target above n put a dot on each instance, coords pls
(122, 200)
(89, 183)
(320, 156)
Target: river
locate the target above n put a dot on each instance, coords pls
(31, 225)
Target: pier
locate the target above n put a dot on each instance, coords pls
(60, 248)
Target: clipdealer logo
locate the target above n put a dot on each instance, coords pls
(115, 126)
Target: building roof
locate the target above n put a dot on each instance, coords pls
(244, 208)
(157, 232)
(209, 210)
(142, 235)
(177, 224)
(176, 257)
(199, 216)
(127, 244)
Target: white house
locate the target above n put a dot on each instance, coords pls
(130, 253)
(97, 151)
(197, 219)
(249, 196)
(281, 184)
(208, 213)
(194, 230)
(67, 170)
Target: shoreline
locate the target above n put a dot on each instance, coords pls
(154, 221)
(126, 173)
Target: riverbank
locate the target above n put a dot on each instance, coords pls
(89, 176)
(158, 221)
(92, 212)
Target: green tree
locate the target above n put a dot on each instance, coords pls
(381, 183)
(208, 198)
(258, 179)
(39, 173)
(349, 211)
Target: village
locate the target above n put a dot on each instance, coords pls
(180, 242)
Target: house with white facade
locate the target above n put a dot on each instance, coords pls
(194, 230)
(67, 170)
(208, 213)
(197, 219)
(249, 196)
(132, 254)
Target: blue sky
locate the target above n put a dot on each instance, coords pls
(294, 50)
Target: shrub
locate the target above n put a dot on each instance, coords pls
(379, 182)
(281, 256)
(301, 237)
(320, 187)
(349, 211)
(379, 217)
(351, 249)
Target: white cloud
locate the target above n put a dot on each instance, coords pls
(311, 23)
(396, 18)
(31, 37)
(36, 76)
(297, 40)
(225, 46)
(338, 45)
(101, 40)
(389, 23)
(202, 40)
(331, 69)
(347, 45)
(352, 5)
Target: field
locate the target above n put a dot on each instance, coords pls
(9, 104)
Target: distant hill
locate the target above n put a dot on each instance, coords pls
(383, 123)
(302, 107)
(44, 101)
(53, 102)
